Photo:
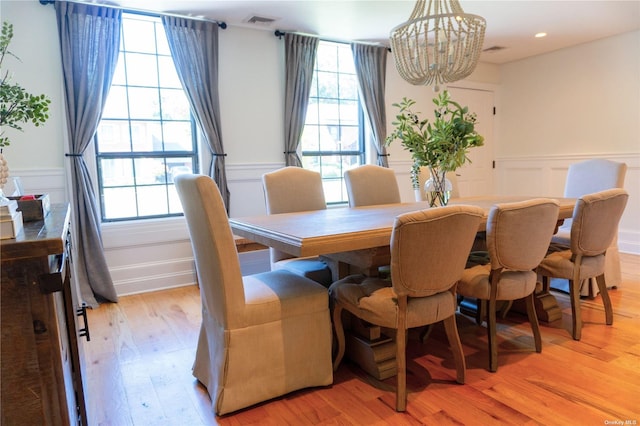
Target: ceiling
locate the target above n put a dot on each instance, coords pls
(511, 24)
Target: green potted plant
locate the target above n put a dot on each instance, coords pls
(17, 106)
(441, 145)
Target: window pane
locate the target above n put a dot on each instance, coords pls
(327, 59)
(179, 166)
(119, 202)
(142, 70)
(348, 86)
(152, 200)
(177, 136)
(119, 74)
(139, 35)
(116, 104)
(113, 136)
(175, 105)
(349, 112)
(143, 103)
(349, 138)
(310, 140)
(327, 85)
(150, 171)
(146, 136)
(116, 172)
(175, 206)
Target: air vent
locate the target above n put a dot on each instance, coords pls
(494, 48)
(259, 20)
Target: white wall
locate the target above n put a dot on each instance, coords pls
(552, 110)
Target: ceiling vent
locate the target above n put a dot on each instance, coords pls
(259, 20)
(493, 48)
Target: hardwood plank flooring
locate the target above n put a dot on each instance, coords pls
(142, 348)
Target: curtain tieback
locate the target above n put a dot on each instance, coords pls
(219, 155)
(73, 155)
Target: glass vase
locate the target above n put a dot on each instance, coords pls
(437, 188)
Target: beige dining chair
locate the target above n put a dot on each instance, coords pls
(429, 250)
(262, 336)
(587, 177)
(518, 236)
(369, 185)
(289, 190)
(593, 229)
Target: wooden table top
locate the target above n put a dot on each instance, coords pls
(342, 229)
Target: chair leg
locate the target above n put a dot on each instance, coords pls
(456, 347)
(491, 335)
(480, 311)
(574, 295)
(533, 320)
(401, 363)
(606, 300)
(337, 325)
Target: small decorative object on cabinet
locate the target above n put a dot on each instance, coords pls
(42, 358)
(441, 145)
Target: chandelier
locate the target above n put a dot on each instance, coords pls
(438, 44)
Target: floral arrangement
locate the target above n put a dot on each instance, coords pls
(441, 145)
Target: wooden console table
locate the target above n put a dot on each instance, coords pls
(42, 359)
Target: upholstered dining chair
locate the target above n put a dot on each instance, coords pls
(518, 236)
(370, 184)
(294, 189)
(429, 249)
(263, 335)
(593, 229)
(587, 177)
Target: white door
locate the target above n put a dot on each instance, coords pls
(476, 178)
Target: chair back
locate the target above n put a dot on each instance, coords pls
(587, 177)
(214, 249)
(429, 248)
(595, 221)
(518, 234)
(293, 189)
(371, 185)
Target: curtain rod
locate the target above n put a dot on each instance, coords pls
(221, 24)
(280, 34)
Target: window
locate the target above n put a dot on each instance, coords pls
(333, 137)
(147, 134)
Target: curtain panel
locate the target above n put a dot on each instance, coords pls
(371, 70)
(89, 43)
(300, 58)
(194, 48)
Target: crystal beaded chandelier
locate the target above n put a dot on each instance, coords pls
(438, 44)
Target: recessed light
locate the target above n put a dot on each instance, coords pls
(540, 35)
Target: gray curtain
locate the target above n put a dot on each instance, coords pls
(89, 44)
(194, 48)
(300, 57)
(371, 70)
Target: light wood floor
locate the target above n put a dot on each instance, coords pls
(141, 351)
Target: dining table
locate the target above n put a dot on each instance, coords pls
(338, 232)
(360, 236)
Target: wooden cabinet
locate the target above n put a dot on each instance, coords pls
(42, 327)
